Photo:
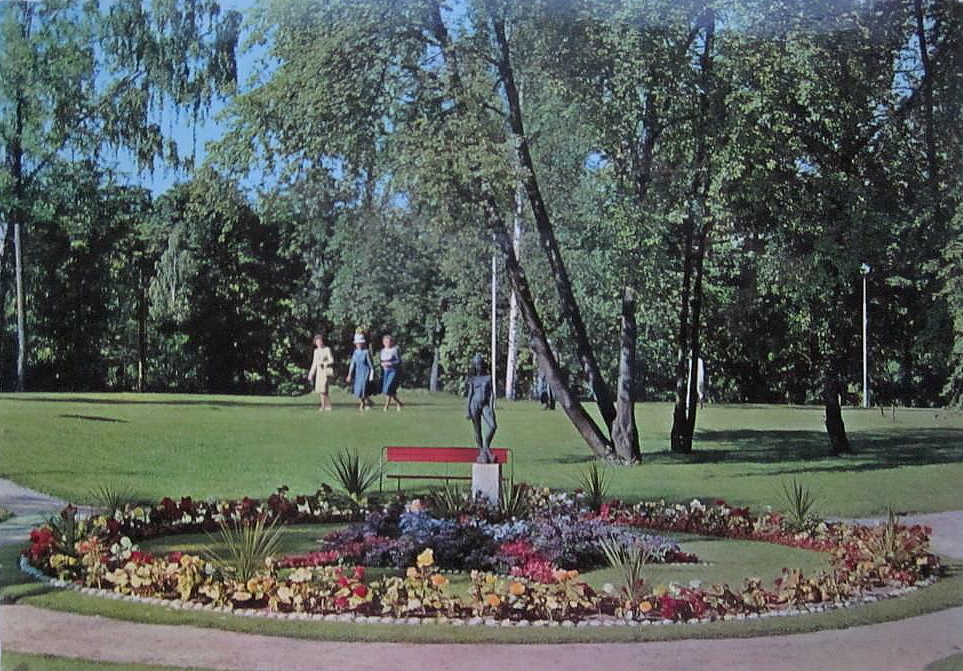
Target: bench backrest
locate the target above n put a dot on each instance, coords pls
(440, 455)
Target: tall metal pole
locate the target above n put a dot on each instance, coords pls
(864, 271)
(494, 323)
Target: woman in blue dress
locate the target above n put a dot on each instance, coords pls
(390, 364)
(361, 369)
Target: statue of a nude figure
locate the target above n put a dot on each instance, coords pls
(481, 401)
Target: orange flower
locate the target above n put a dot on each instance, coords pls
(645, 606)
(438, 580)
(560, 575)
(516, 588)
(493, 600)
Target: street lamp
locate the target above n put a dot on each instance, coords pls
(864, 271)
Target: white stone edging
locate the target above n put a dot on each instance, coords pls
(610, 621)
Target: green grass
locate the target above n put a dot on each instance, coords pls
(159, 445)
(18, 661)
(951, 663)
(945, 594)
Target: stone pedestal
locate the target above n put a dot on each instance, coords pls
(486, 482)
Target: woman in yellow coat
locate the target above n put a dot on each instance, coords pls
(321, 370)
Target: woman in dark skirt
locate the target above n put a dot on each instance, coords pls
(362, 369)
(390, 373)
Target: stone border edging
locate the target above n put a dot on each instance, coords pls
(588, 622)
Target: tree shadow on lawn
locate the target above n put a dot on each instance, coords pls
(872, 450)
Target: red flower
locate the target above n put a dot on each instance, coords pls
(139, 557)
(342, 581)
(175, 557)
(359, 572)
(361, 591)
(340, 602)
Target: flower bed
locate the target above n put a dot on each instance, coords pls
(542, 583)
(535, 546)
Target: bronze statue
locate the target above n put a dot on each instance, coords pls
(481, 406)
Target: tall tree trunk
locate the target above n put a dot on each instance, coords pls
(512, 363)
(583, 423)
(625, 434)
(835, 429)
(141, 331)
(569, 310)
(21, 317)
(932, 158)
(437, 333)
(679, 438)
(683, 416)
(695, 339)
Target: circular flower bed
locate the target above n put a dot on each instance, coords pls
(551, 533)
(523, 568)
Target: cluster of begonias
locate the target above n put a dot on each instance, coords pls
(522, 568)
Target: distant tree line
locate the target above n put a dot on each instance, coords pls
(659, 182)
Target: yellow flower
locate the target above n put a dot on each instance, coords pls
(573, 574)
(493, 600)
(438, 580)
(645, 606)
(412, 572)
(426, 558)
(516, 588)
(489, 579)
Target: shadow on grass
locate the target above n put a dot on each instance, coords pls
(872, 450)
(294, 403)
(96, 418)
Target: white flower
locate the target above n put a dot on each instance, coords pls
(608, 588)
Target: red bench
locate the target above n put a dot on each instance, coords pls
(396, 454)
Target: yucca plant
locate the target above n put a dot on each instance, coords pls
(244, 549)
(628, 561)
(889, 545)
(514, 500)
(110, 499)
(799, 506)
(449, 500)
(355, 476)
(67, 530)
(595, 483)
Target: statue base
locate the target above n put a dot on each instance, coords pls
(486, 482)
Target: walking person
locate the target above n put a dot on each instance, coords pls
(362, 370)
(321, 371)
(390, 373)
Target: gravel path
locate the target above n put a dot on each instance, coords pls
(906, 645)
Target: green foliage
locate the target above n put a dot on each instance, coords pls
(449, 500)
(355, 476)
(243, 550)
(628, 561)
(67, 531)
(594, 482)
(799, 503)
(515, 501)
(111, 499)
(5, 514)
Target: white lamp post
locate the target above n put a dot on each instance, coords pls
(864, 271)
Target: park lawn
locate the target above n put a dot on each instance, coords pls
(19, 661)
(158, 445)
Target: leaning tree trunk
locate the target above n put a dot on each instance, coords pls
(625, 434)
(569, 310)
(576, 413)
